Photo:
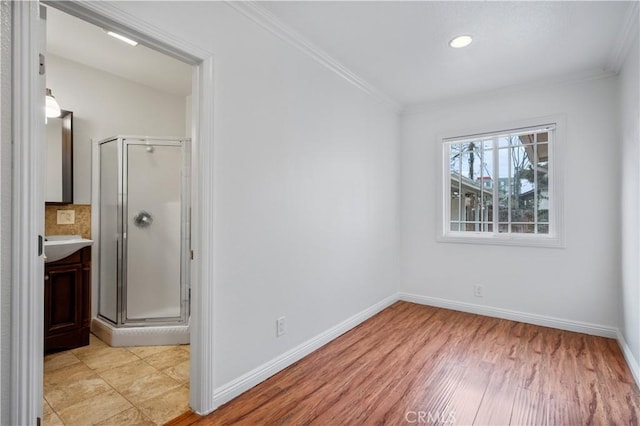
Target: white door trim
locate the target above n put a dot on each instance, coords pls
(202, 272)
(28, 213)
(27, 217)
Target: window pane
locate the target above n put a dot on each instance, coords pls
(543, 137)
(455, 160)
(455, 204)
(471, 209)
(487, 144)
(522, 228)
(504, 186)
(526, 139)
(522, 186)
(542, 184)
(503, 141)
(468, 176)
(487, 211)
(486, 182)
(471, 160)
(543, 154)
(543, 229)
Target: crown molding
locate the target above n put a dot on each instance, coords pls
(271, 23)
(626, 35)
(559, 81)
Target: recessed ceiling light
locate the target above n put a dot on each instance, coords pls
(122, 38)
(460, 41)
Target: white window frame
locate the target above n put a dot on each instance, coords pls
(555, 237)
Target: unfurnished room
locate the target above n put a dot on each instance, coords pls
(319, 212)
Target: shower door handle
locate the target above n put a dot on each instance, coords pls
(143, 219)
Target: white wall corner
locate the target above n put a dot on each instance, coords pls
(626, 35)
(271, 23)
(632, 362)
(245, 382)
(542, 320)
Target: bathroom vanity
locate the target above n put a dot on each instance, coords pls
(67, 301)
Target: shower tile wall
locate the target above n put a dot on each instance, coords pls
(81, 227)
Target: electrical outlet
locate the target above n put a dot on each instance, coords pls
(478, 290)
(280, 327)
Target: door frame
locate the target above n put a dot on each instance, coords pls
(28, 200)
(27, 216)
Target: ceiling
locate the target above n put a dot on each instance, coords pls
(400, 48)
(85, 43)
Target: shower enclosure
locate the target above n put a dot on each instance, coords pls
(144, 240)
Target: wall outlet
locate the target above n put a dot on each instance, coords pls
(280, 327)
(66, 217)
(478, 290)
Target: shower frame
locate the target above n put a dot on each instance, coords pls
(122, 141)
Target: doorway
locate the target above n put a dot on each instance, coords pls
(26, 363)
(117, 87)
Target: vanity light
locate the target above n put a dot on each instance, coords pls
(460, 41)
(122, 38)
(52, 107)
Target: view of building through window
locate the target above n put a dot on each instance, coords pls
(499, 183)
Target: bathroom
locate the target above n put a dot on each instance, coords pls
(106, 89)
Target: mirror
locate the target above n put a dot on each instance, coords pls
(59, 155)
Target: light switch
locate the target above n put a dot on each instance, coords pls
(66, 217)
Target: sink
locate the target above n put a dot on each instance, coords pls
(58, 247)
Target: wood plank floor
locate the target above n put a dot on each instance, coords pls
(414, 364)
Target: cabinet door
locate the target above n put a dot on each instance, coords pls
(63, 299)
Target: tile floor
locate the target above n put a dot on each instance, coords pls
(101, 385)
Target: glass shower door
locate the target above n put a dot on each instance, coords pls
(153, 215)
(109, 230)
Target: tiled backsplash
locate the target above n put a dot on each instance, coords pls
(81, 227)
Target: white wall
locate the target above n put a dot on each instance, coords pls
(105, 105)
(630, 206)
(305, 185)
(577, 283)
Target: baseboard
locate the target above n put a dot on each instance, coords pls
(245, 382)
(546, 321)
(628, 356)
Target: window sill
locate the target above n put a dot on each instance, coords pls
(502, 239)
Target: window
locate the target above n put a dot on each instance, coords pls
(500, 187)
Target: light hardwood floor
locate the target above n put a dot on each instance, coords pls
(414, 364)
(98, 384)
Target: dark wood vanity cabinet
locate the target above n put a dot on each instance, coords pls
(67, 301)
